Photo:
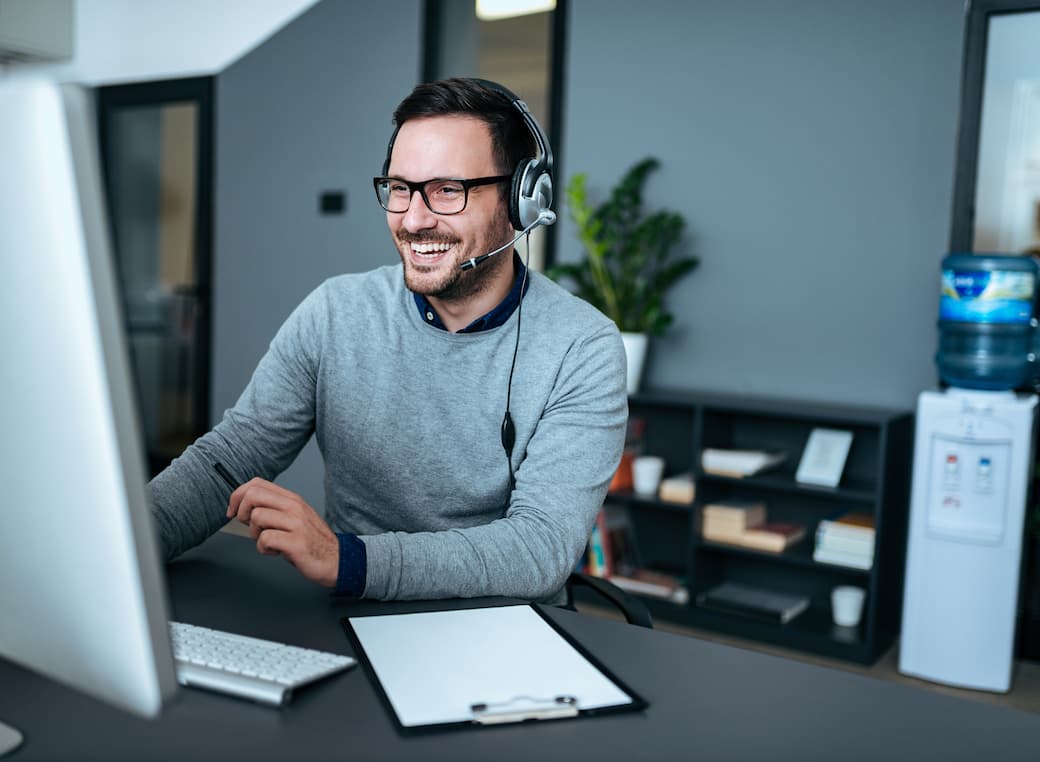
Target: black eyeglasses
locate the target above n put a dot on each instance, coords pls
(440, 196)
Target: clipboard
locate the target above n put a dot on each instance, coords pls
(437, 670)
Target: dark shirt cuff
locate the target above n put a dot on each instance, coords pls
(353, 566)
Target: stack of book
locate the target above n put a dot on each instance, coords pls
(729, 519)
(742, 522)
(846, 541)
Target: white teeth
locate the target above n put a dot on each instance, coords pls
(430, 248)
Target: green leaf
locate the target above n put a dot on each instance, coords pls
(629, 261)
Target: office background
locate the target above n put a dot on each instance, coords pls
(809, 143)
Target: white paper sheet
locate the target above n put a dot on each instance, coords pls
(435, 666)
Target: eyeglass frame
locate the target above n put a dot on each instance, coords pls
(420, 187)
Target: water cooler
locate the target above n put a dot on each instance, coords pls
(973, 462)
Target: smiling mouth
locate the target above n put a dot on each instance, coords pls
(429, 251)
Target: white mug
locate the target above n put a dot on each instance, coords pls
(646, 474)
(847, 605)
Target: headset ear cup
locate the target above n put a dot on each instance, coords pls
(516, 192)
(531, 194)
(543, 194)
(532, 203)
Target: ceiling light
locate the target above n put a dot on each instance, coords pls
(494, 10)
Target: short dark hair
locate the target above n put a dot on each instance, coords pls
(511, 140)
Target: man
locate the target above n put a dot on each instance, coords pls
(404, 383)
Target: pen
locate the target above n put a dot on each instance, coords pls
(225, 475)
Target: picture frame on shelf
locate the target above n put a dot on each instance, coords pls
(824, 456)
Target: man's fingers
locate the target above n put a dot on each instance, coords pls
(315, 556)
(281, 523)
(260, 493)
(237, 495)
(263, 518)
(275, 542)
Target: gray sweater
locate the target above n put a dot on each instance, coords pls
(407, 418)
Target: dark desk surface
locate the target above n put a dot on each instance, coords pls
(707, 701)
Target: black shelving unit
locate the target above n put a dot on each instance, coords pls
(876, 479)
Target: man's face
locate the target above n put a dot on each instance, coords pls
(433, 246)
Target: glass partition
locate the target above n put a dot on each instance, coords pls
(1007, 189)
(155, 139)
(996, 205)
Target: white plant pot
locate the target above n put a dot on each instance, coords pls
(635, 352)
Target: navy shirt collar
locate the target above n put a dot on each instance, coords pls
(493, 319)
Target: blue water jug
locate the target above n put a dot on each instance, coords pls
(987, 327)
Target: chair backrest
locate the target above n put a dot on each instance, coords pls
(633, 609)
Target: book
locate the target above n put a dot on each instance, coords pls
(854, 520)
(750, 600)
(654, 584)
(738, 514)
(621, 547)
(739, 463)
(843, 558)
(852, 525)
(715, 534)
(844, 543)
(725, 527)
(677, 489)
(773, 535)
(599, 564)
(723, 531)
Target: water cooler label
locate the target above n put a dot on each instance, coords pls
(975, 296)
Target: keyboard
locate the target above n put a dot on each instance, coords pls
(261, 670)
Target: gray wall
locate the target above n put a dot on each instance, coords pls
(308, 110)
(811, 146)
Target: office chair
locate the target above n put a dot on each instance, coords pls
(633, 609)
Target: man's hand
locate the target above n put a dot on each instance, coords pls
(283, 524)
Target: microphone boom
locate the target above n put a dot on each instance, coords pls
(546, 217)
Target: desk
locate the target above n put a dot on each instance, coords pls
(707, 701)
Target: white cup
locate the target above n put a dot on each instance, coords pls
(646, 474)
(847, 604)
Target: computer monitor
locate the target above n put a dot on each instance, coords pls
(82, 593)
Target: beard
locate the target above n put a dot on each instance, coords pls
(447, 280)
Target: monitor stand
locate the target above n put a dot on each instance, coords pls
(10, 739)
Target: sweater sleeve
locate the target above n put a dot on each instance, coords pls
(260, 436)
(564, 464)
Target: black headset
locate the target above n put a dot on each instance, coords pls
(531, 195)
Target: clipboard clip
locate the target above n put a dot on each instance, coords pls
(521, 708)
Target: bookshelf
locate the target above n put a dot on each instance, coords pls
(678, 425)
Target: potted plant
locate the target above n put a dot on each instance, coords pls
(629, 263)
